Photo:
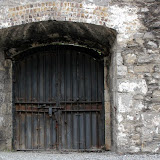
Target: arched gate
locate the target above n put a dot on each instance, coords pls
(59, 94)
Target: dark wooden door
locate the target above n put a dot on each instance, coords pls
(59, 100)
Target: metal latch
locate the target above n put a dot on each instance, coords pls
(50, 111)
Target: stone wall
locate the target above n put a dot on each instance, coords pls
(5, 103)
(135, 62)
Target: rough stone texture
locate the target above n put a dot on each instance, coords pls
(5, 103)
(139, 91)
(134, 68)
(74, 156)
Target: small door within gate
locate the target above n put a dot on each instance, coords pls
(59, 100)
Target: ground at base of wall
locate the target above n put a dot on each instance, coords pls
(74, 156)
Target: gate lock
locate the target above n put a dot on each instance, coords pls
(50, 111)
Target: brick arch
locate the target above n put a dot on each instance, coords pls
(17, 39)
(55, 10)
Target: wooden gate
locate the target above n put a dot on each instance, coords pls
(59, 93)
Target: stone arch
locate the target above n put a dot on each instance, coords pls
(16, 40)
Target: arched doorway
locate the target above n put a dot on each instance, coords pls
(59, 99)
